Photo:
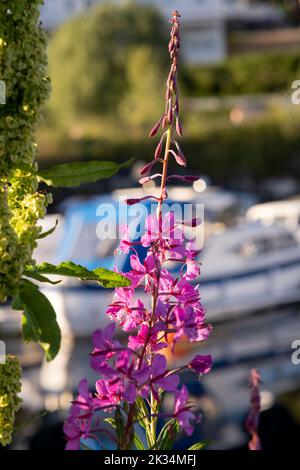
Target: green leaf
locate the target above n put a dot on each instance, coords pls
(45, 234)
(104, 277)
(110, 279)
(111, 421)
(168, 435)
(138, 443)
(39, 318)
(76, 173)
(120, 427)
(142, 413)
(200, 445)
(38, 277)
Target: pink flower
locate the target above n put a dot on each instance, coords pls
(109, 392)
(143, 273)
(190, 325)
(73, 434)
(254, 414)
(201, 364)
(126, 310)
(104, 345)
(79, 421)
(192, 265)
(159, 377)
(125, 244)
(147, 336)
(182, 411)
(127, 365)
(170, 233)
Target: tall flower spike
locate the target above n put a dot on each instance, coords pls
(134, 377)
(254, 414)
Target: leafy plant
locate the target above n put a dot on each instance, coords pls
(23, 69)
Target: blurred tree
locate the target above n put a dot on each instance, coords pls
(90, 59)
(142, 102)
(291, 8)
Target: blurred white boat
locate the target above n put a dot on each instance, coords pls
(286, 212)
(248, 268)
(244, 269)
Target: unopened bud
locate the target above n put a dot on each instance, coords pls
(178, 127)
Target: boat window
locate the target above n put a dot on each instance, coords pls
(88, 246)
(255, 247)
(280, 220)
(283, 242)
(247, 250)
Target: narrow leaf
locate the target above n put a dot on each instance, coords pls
(111, 421)
(45, 234)
(200, 445)
(120, 427)
(168, 435)
(142, 413)
(138, 443)
(76, 173)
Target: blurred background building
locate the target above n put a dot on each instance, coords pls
(204, 23)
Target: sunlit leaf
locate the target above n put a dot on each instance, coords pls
(104, 277)
(76, 173)
(39, 318)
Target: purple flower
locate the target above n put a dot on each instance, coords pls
(182, 411)
(79, 421)
(190, 325)
(126, 310)
(125, 244)
(163, 231)
(146, 336)
(254, 414)
(160, 377)
(145, 272)
(201, 364)
(109, 392)
(73, 434)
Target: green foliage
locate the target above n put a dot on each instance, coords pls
(244, 74)
(199, 445)
(138, 443)
(260, 148)
(143, 99)
(90, 60)
(39, 318)
(10, 386)
(168, 435)
(23, 65)
(73, 174)
(104, 277)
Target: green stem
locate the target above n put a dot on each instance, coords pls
(165, 171)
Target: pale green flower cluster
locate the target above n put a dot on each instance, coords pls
(10, 386)
(23, 68)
